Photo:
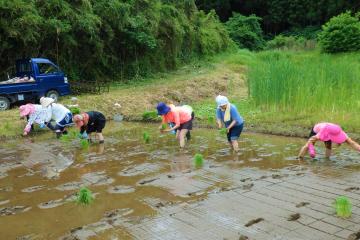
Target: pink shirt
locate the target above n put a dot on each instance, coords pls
(330, 132)
(177, 115)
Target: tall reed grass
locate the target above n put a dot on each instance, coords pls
(305, 82)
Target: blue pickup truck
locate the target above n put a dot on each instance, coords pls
(35, 77)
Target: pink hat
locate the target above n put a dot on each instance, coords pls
(26, 109)
(331, 132)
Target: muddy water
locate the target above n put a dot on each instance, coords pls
(131, 180)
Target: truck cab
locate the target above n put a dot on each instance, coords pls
(35, 77)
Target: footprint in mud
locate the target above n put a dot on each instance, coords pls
(243, 237)
(302, 204)
(294, 217)
(254, 221)
(245, 179)
(279, 176)
(143, 182)
(13, 210)
(354, 236)
(350, 189)
(51, 204)
(121, 189)
(6, 189)
(33, 189)
(248, 186)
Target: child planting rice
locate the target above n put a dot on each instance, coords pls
(90, 122)
(182, 118)
(328, 133)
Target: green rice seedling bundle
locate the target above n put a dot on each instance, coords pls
(163, 126)
(84, 196)
(198, 160)
(146, 137)
(84, 143)
(343, 207)
(222, 131)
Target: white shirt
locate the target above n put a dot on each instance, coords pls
(41, 115)
(58, 112)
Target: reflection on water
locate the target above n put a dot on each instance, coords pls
(131, 180)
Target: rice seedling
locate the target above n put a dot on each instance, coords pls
(150, 116)
(74, 110)
(163, 126)
(198, 160)
(343, 207)
(84, 143)
(146, 137)
(84, 196)
(211, 120)
(222, 131)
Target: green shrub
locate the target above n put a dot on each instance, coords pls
(290, 42)
(341, 34)
(246, 31)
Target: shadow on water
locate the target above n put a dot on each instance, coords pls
(131, 179)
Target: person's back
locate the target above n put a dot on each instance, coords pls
(58, 111)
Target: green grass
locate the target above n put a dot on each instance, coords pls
(305, 84)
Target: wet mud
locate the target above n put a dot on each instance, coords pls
(134, 182)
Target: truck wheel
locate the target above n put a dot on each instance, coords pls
(4, 103)
(53, 94)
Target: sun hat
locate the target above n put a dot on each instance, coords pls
(331, 132)
(26, 109)
(221, 100)
(45, 101)
(162, 108)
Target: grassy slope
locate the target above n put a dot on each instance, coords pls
(197, 85)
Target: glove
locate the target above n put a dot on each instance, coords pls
(42, 125)
(312, 152)
(83, 136)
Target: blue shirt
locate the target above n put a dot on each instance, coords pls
(234, 115)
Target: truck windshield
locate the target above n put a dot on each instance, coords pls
(46, 68)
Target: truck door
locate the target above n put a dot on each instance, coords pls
(50, 78)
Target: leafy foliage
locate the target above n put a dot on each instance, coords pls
(290, 42)
(246, 31)
(108, 39)
(281, 15)
(341, 34)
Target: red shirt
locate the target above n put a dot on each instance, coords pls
(177, 115)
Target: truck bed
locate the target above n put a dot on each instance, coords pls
(17, 80)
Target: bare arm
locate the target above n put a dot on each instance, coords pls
(219, 123)
(305, 148)
(231, 124)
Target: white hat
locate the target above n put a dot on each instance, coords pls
(46, 101)
(221, 100)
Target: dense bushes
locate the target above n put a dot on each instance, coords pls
(246, 31)
(341, 34)
(97, 39)
(291, 43)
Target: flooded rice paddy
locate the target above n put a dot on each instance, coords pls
(132, 181)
